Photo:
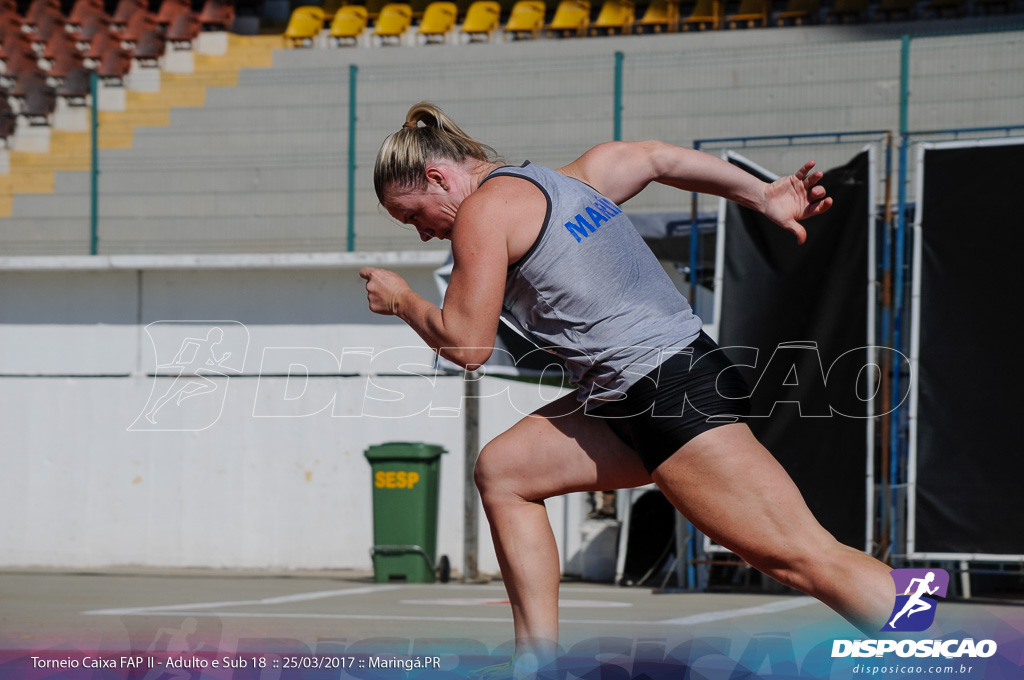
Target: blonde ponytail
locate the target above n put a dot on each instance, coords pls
(427, 135)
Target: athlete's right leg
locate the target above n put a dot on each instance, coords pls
(556, 450)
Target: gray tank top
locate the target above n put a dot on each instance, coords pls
(591, 291)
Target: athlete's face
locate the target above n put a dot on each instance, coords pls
(430, 210)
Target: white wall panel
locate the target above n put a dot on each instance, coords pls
(247, 470)
(68, 322)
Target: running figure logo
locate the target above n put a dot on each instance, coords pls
(198, 357)
(914, 611)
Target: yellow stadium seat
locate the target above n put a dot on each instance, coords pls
(394, 20)
(615, 17)
(438, 20)
(304, 26)
(348, 24)
(750, 12)
(705, 14)
(482, 19)
(526, 19)
(799, 12)
(571, 18)
(661, 15)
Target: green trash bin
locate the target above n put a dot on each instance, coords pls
(406, 481)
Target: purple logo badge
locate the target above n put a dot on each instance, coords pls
(914, 610)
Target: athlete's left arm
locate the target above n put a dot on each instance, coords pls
(620, 170)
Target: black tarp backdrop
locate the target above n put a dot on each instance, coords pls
(969, 463)
(775, 292)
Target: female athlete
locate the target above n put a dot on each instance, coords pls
(552, 252)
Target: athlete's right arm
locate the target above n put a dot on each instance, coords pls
(463, 330)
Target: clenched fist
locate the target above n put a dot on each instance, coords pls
(383, 289)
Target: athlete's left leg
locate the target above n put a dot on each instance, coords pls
(734, 491)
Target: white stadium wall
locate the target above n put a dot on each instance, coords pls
(266, 470)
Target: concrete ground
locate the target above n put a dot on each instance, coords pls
(54, 614)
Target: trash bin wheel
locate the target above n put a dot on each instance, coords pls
(444, 569)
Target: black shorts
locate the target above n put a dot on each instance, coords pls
(690, 393)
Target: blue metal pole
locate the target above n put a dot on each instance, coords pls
(617, 110)
(694, 236)
(885, 340)
(691, 546)
(904, 83)
(94, 189)
(886, 253)
(896, 435)
(353, 77)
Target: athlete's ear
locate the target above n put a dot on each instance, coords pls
(435, 175)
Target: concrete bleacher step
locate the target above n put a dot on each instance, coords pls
(178, 145)
(24, 179)
(187, 205)
(243, 52)
(72, 151)
(212, 177)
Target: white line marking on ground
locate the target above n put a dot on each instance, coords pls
(298, 597)
(203, 609)
(684, 621)
(566, 588)
(771, 607)
(282, 615)
(322, 594)
(473, 602)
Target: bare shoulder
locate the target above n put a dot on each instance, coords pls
(593, 159)
(508, 208)
(617, 169)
